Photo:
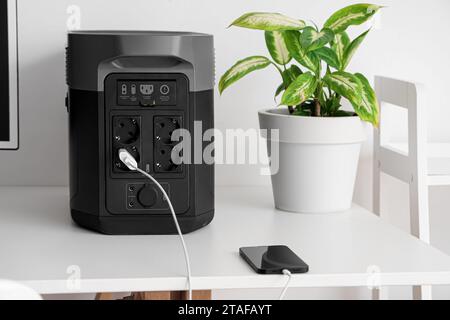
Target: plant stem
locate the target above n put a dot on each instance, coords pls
(278, 68)
(317, 112)
(317, 108)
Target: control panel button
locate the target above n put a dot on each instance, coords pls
(165, 89)
(147, 196)
(124, 89)
(151, 93)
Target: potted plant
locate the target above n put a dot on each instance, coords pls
(319, 142)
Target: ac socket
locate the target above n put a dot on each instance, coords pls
(126, 135)
(164, 127)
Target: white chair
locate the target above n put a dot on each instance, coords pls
(10, 290)
(416, 162)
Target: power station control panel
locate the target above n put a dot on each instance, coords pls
(147, 93)
(143, 111)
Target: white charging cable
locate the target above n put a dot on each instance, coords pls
(131, 163)
(286, 287)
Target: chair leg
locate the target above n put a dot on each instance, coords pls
(420, 218)
(377, 188)
(422, 293)
(381, 293)
(420, 226)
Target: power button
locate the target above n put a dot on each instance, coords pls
(165, 89)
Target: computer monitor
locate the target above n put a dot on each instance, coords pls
(9, 137)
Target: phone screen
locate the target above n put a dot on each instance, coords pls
(273, 259)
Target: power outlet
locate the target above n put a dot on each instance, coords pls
(163, 159)
(126, 130)
(163, 144)
(119, 166)
(126, 134)
(164, 128)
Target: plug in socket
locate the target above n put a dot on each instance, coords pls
(126, 134)
(119, 165)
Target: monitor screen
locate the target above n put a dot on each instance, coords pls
(8, 75)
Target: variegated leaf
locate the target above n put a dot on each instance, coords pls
(351, 49)
(369, 109)
(268, 22)
(308, 60)
(340, 44)
(241, 69)
(346, 85)
(329, 56)
(352, 15)
(289, 76)
(277, 47)
(280, 89)
(300, 90)
(311, 39)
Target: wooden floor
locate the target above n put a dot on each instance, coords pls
(162, 295)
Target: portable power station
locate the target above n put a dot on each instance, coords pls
(132, 90)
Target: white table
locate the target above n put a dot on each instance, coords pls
(39, 242)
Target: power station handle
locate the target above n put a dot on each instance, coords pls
(67, 102)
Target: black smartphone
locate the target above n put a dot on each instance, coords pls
(273, 259)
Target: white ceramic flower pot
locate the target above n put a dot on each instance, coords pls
(318, 161)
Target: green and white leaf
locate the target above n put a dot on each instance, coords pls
(277, 47)
(268, 22)
(369, 109)
(340, 44)
(329, 56)
(300, 90)
(346, 85)
(280, 89)
(351, 49)
(352, 15)
(292, 40)
(289, 76)
(311, 39)
(308, 60)
(241, 69)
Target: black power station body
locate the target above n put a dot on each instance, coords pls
(132, 90)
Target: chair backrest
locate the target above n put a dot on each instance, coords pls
(10, 290)
(407, 166)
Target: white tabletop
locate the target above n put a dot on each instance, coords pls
(39, 244)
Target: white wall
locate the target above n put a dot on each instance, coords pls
(411, 43)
